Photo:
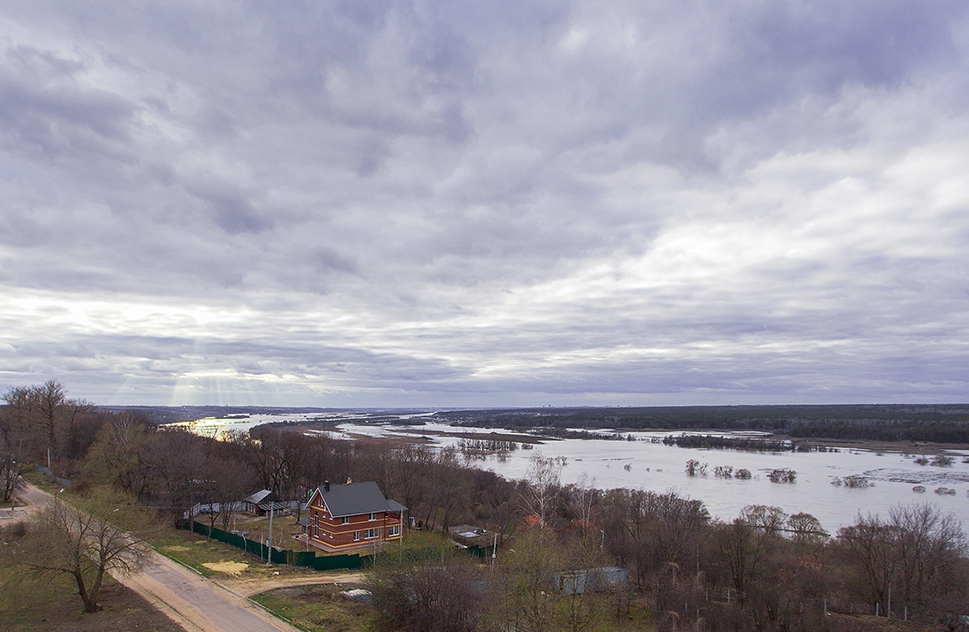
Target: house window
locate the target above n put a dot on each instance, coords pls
(356, 536)
(316, 525)
(393, 531)
(346, 519)
(369, 534)
(373, 516)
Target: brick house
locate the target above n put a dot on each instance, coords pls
(351, 515)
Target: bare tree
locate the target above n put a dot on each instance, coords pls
(768, 519)
(582, 496)
(743, 555)
(177, 459)
(117, 456)
(11, 479)
(531, 572)
(63, 539)
(41, 417)
(806, 529)
(868, 548)
(928, 547)
(269, 457)
(543, 478)
(230, 480)
(16, 416)
(427, 597)
(49, 398)
(6, 424)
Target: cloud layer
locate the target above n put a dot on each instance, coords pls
(518, 203)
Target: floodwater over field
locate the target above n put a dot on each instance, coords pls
(215, 427)
(646, 464)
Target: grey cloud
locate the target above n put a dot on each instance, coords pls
(332, 259)
(46, 113)
(236, 215)
(449, 202)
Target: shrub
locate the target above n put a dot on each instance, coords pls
(782, 475)
(856, 481)
(941, 460)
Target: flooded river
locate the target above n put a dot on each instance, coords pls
(646, 464)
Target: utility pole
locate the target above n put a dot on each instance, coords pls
(494, 552)
(269, 551)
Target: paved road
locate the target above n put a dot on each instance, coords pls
(191, 600)
(35, 499)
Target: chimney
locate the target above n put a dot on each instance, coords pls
(326, 486)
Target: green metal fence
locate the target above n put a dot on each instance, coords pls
(308, 559)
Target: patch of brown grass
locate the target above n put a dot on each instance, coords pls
(51, 603)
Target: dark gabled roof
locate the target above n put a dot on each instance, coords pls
(355, 499)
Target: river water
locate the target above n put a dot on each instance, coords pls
(647, 464)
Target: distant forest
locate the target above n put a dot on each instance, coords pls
(938, 423)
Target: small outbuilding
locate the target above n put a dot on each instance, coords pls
(253, 501)
(591, 579)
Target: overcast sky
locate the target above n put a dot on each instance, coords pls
(499, 203)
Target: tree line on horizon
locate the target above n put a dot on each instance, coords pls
(937, 423)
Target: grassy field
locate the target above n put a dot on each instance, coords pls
(205, 555)
(284, 527)
(319, 608)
